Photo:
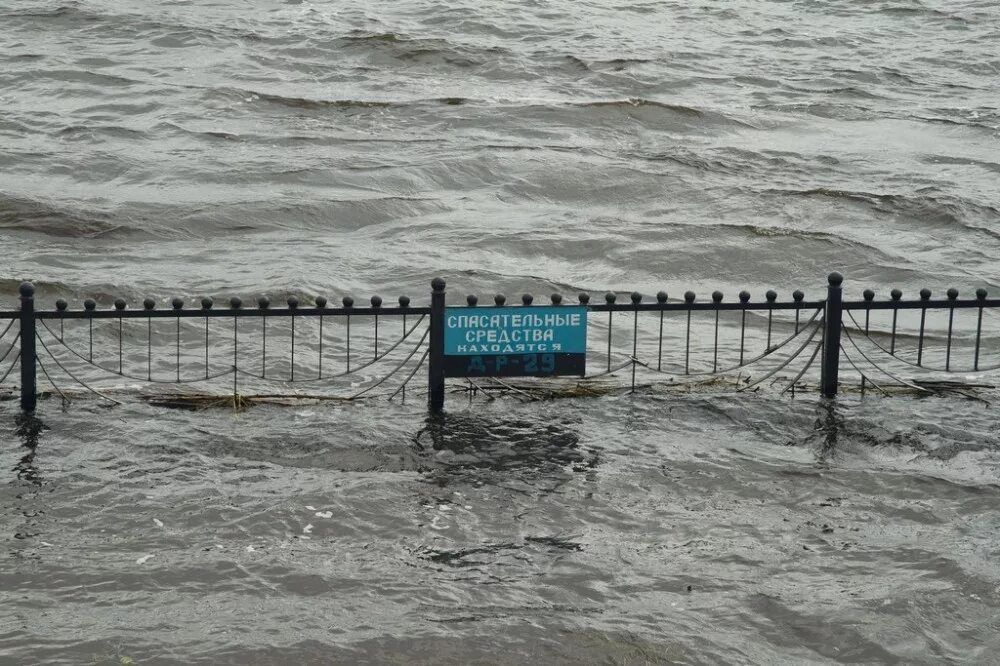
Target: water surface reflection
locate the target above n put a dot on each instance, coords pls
(478, 449)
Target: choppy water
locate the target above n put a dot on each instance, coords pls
(182, 148)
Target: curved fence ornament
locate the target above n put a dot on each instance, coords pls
(344, 351)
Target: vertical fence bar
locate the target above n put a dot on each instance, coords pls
(148, 306)
(263, 303)
(206, 304)
(981, 295)
(348, 303)
(771, 297)
(895, 295)
(869, 296)
(610, 299)
(797, 296)
(90, 305)
(636, 300)
(119, 306)
(321, 305)
(376, 302)
(61, 306)
(661, 298)
(293, 304)
(716, 298)
(178, 304)
(822, 345)
(952, 297)
(471, 301)
(831, 335)
(435, 371)
(404, 302)
(235, 303)
(689, 297)
(744, 299)
(925, 295)
(29, 388)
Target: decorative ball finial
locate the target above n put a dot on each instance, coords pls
(404, 301)
(689, 297)
(952, 294)
(869, 295)
(293, 302)
(661, 297)
(717, 296)
(263, 302)
(636, 298)
(27, 290)
(149, 304)
(895, 294)
(347, 301)
(499, 299)
(206, 303)
(556, 299)
(61, 305)
(438, 284)
(925, 294)
(798, 296)
(981, 294)
(583, 297)
(321, 302)
(610, 297)
(236, 303)
(771, 295)
(178, 303)
(744, 297)
(89, 304)
(527, 299)
(835, 279)
(472, 300)
(119, 304)
(376, 301)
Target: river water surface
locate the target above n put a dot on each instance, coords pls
(185, 148)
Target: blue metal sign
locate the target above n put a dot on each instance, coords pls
(513, 341)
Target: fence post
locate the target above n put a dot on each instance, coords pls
(29, 388)
(831, 337)
(435, 366)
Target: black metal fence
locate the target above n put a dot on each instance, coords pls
(313, 347)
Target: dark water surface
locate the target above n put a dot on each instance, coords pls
(688, 530)
(191, 148)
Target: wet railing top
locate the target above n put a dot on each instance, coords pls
(611, 302)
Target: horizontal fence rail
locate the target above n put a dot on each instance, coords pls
(377, 349)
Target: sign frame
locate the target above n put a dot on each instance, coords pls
(502, 341)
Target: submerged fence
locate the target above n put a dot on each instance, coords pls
(312, 346)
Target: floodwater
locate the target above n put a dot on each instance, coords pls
(161, 149)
